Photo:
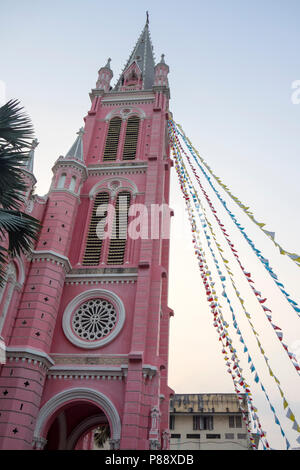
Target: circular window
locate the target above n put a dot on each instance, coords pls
(94, 319)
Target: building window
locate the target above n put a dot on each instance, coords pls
(131, 138)
(118, 238)
(193, 436)
(203, 422)
(94, 319)
(229, 435)
(61, 181)
(96, 229)
(242, 436)
(72, 183)
(213, 436)
(172, 422)
(112, 139)
(235, 421)
(175, 436)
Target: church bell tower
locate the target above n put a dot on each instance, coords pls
(88, 333)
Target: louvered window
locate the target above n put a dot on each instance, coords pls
(131, 138)
(112, 140)
(118, 239)
(94, 240)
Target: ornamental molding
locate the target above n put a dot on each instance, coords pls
(105, 272)
(80, 299)
(126, 113)
(96, 372)
(66, 360)
(114, 186)
(128, 168)
(29, 355)
(53, 257)
(86, 372)
(75, 164)
(91, 280)
(131, 96)
(78, 394)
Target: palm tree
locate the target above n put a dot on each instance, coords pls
(17, 229)
(101, 434)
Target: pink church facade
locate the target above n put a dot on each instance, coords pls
(85, 318)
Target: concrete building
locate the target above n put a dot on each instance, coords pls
(207, 421)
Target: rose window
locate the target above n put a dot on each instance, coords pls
(94, 319)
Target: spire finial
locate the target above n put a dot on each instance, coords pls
(147, 17)
(162, 60)
(80, 132)
(108, 63)
(34, 143)
(29, 165)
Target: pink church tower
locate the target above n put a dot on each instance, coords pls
(85, 318)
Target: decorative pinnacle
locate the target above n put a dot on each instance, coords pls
(108, 63)
(147, 17)
(34, 144)
(80, 132)
(162, 60)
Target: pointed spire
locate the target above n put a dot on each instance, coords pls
(76, 151)
(142, 54)
(29, 164)
(107, 66)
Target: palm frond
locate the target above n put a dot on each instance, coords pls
(21, 230)
(12, 182)
(3, 263)
(15, 126)
(101, 434)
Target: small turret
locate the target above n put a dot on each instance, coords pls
(105, 75)
(161, 73)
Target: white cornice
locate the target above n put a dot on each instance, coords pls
(64, 162)
(117, 168)
(49, 255)
(123, 278)
(96, 372)
(29, 355)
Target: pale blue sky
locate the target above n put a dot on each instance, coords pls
(232, 65)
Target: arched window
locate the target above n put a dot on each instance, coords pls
(118, 238)
(72, 183)
(131, 138)
(95, 235)
(112, 140)
(61, 181)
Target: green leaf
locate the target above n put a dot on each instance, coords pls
(15, 126)
(21, 230)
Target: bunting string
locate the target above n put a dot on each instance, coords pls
(204, 223)
(271, 235)
(257, 252)
(218, 319)
(179, 162)
(261, 300)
